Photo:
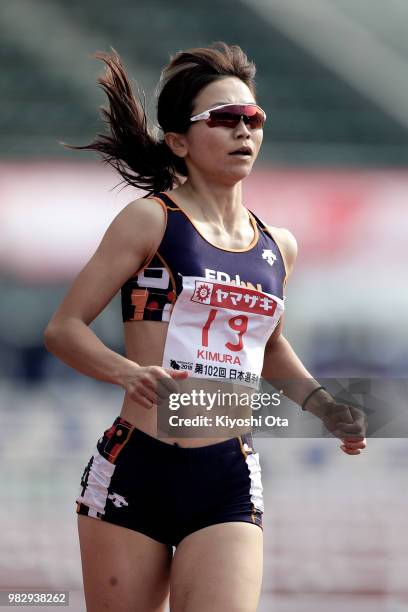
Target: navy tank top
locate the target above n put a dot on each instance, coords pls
(151, 292)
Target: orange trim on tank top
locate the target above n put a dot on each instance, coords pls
(254, 240)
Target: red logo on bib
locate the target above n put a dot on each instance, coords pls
(236, 298)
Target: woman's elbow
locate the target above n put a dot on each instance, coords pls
(50, 336)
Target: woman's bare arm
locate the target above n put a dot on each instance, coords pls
(283, 368)
(280, 361)
(132, 236)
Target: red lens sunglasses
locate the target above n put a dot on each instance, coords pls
(229, 115)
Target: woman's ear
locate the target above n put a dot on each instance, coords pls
(177, 143)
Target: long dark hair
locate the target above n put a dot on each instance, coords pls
(142, 159)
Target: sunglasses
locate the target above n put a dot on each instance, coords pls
(229, 115)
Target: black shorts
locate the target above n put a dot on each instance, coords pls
(166, 491)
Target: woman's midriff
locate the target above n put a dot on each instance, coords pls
(144, 342)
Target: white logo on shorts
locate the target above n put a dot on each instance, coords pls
(118, 500)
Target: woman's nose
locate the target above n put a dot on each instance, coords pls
(242, 128)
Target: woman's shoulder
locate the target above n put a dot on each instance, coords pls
(287, 244)
(145, 216)
(146, 209)
(138, 228)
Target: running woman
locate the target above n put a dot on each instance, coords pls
(200, 275)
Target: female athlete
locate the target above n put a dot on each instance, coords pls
(202, 282)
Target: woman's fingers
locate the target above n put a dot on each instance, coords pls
(349, 424)
(144, 402)
(356, 430)
(352, 446)
(181, 374)
(355, 441)
(166, 382)
(155, 384)
(350, 451)
(147, 395)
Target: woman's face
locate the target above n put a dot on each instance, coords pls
(209, 150)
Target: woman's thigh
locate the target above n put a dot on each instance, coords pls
(218, 568)
(123, 570)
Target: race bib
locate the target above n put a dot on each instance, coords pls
(218, 331)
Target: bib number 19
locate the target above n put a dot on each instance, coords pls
(238, 324)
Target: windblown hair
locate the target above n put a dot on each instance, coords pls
(142, 159)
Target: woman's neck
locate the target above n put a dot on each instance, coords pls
(217, 204)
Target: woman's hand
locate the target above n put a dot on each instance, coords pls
(353, 446)
(348, 423)
(150, 385)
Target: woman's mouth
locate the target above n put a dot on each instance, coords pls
(246, 151)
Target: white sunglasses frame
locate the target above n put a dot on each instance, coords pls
(206, 114)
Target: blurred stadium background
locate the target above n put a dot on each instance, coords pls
(333, 169)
